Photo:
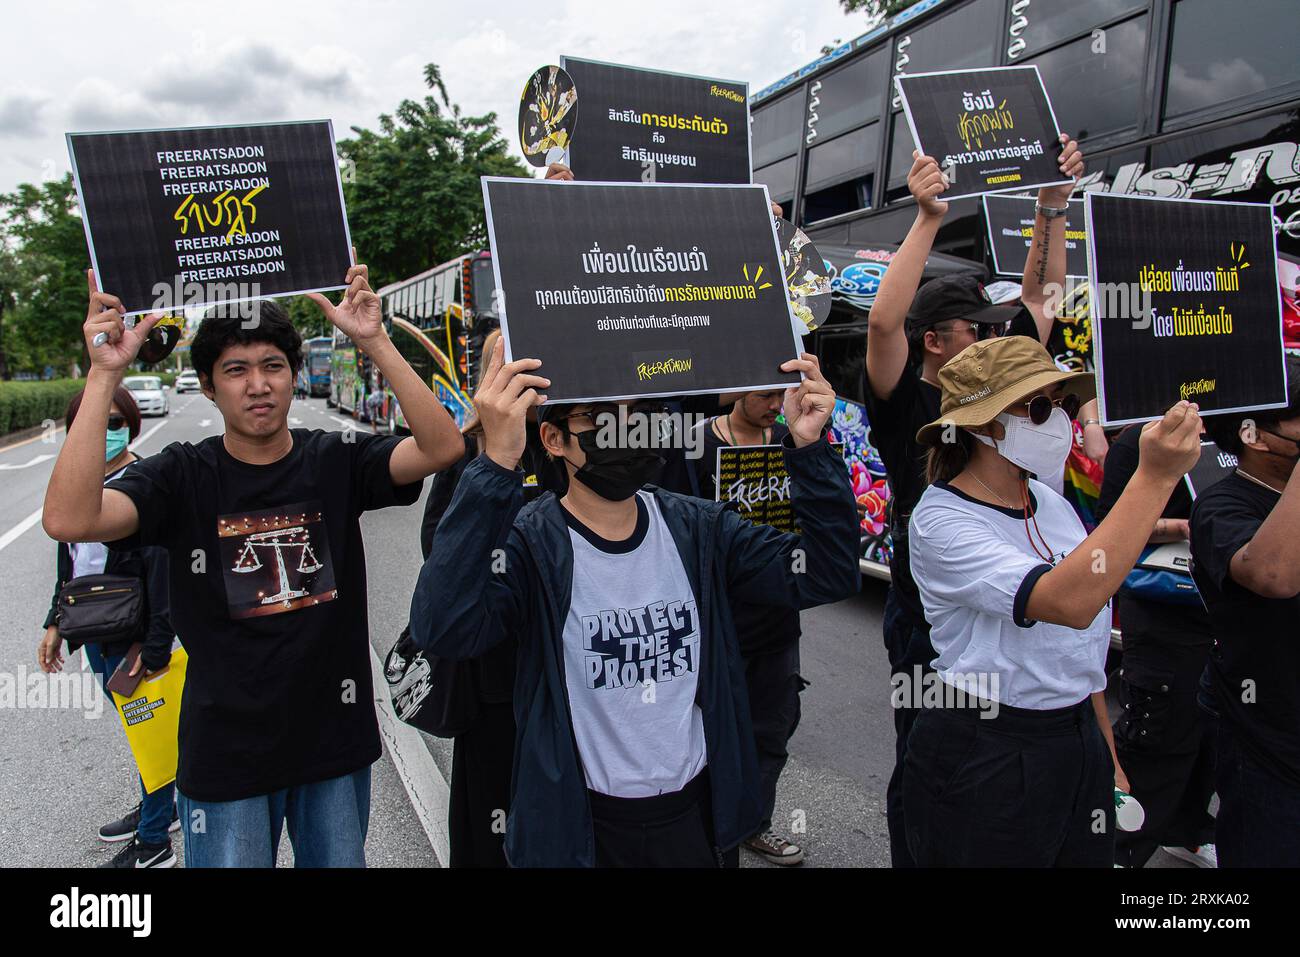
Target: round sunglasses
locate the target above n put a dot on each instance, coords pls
(1040, 407)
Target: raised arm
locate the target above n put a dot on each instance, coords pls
(886, 339)
(1045, 263)
(1269, 564)
(435, 442)
(77, 506)
(1073, 592)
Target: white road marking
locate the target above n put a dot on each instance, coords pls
(204, 423)
(28, 464)
(145, 437)
(293, 421)
(27, 523)
(424, 783)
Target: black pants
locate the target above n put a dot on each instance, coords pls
(669, 830)
(482, 760)
(1259, 812)
(773, 682)
(1023, 789)
(1165, 742)
(907, 643)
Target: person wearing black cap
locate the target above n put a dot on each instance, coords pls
(634, 744)
(910, 336)
(1014, 765)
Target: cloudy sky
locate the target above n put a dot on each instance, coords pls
(130, 65)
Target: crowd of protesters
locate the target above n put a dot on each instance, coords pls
(616, 654)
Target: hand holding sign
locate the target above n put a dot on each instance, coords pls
(1071, 165)
(926, 182)
(502, 402)
(1170, 446)
(110, 344)
(808, 406)
(358, 315)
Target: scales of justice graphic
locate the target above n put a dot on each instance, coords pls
(279, 540)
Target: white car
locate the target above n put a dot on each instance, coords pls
(187, 381)
(147, 390)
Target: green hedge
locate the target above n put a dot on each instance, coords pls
(27, 404)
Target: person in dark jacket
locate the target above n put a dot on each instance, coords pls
(148, 824)
(634, 745)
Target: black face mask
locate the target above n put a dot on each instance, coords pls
(616, 473)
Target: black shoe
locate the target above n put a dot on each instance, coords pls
(123, 829)
(138, 855)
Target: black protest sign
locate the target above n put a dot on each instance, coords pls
(1010, 221)
(1213, 465)
(640, 290)
(1184, 306)
(650, 126)
(188, 217)
(990, 130)
(755, 478)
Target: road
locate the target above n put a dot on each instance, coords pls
(66, 770)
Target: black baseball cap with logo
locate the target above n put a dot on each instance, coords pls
(955, 297)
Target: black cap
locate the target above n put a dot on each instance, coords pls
(955, 297)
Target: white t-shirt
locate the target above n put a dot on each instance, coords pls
(631, 660)
(975, 568)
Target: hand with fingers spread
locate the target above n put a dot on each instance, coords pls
(809, 405)
(358, 315)
(507, 392)
(1071, 165)
(1170, 446)
(926, 182)
(106, 316)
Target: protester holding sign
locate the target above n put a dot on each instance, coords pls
(634, 746)
(1013, 769)
(1246, 550)
(1164, 741)
(268, 578)
(911, 335)
(768, 635)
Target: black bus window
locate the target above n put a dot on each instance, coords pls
(847, 97)
(1221, 54)
(779, 180)
(1094, 92)
(845, 157)
(901, 146)
(776, 129)
(1051, 21)
(963, 39)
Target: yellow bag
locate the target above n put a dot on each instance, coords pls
(151, 719)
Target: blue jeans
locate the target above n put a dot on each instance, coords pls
(327, 825)
(1259, 813)
(155, 809)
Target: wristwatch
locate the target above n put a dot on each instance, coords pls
(1051, 212)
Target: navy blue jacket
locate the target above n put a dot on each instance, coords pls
(500, 570)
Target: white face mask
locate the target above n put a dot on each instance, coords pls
(1038, 449)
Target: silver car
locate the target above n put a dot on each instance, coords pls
(147, 390)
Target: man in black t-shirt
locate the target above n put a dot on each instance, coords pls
(268, 573)
(768, 634)
(1246, 562)
(910, 336)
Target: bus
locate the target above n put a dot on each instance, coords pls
(345, 388)
(437, 320)
(314, 376)
(1176, 98)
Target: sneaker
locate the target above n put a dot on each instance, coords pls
(123, 829)
(138, 855)
(1203, 856)
(776, 850)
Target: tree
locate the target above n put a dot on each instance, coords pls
(876, 10)
(412, 187)
(42, 277)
